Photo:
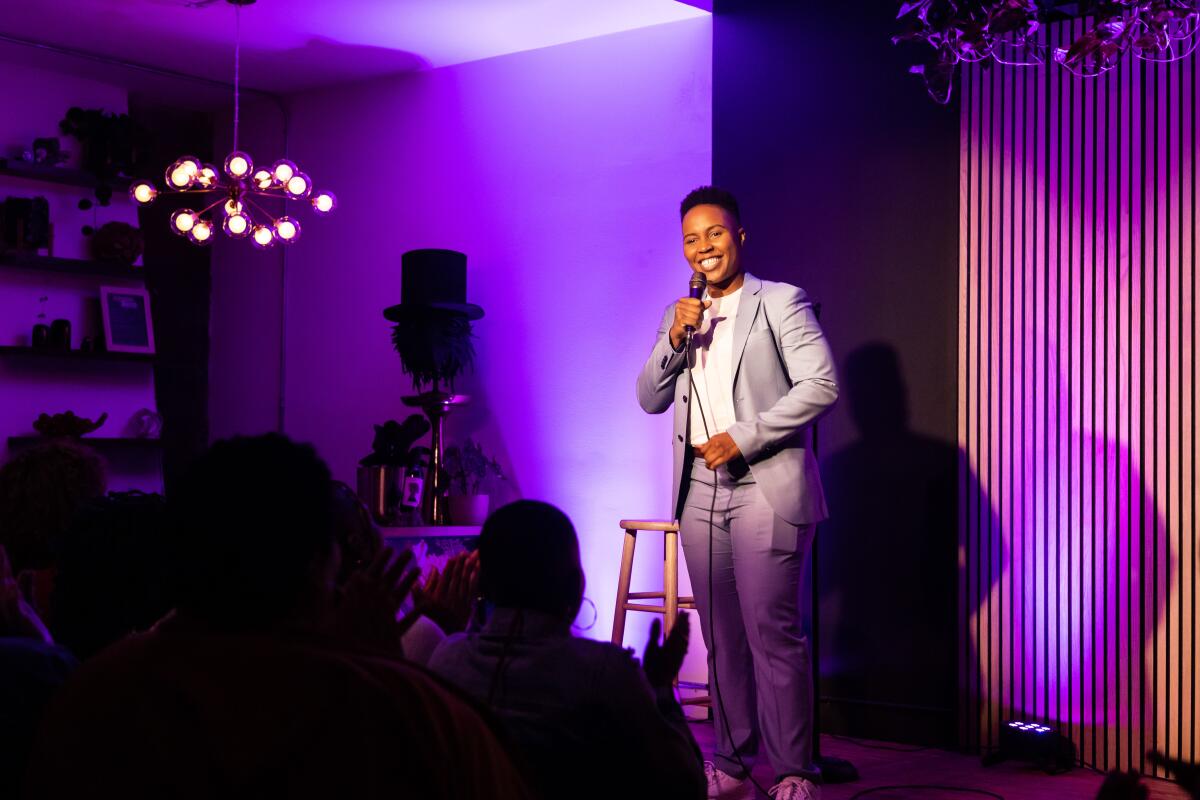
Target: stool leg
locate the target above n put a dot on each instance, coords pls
(670, 580)
(618, 634)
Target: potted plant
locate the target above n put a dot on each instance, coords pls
(467, 468)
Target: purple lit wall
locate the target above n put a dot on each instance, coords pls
(559, 172)
(1077, 397)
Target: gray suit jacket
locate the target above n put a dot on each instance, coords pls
(783, 382)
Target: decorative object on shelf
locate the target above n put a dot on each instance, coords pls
(128, 327)
(382, 472)
(40, 337)
(432, 334)
(412, 489)
(67, 424)
(236, 184)
(92, 344)
(1006, 32)
(117, 241)
(145, 424)
(467, 468)
(47, 151)
(26, 224)
(60, 335)
(109, 144)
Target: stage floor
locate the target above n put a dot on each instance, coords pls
(904, 766)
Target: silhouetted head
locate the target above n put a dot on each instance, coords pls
(41, 491)
(875, 386)
(112, 575)
(255, 536)
(529, 558)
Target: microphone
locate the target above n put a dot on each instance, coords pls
(696, 288)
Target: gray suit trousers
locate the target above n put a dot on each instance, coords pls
(760, 670)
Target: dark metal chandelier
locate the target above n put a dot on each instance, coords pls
(236, 186)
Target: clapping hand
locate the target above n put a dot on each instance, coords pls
(17, 617)
(448, 597)
(372, 597)
(662, 662)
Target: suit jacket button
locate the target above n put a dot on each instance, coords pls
(679, 437)
(685, 398)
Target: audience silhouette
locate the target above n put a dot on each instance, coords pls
(570, 704)
(257, 685)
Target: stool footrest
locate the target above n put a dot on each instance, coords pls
(637, 607)
(646, 595)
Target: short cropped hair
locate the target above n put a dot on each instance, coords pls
(41, 491)
(711, 196)
(252, 517)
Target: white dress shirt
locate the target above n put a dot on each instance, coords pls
(712, 369)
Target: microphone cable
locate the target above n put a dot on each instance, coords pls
(712, 631)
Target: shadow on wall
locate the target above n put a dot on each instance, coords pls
(888, 560)
(324, 62)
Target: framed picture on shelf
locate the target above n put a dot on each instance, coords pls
(127, 325)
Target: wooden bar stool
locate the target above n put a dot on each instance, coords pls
(669, 600)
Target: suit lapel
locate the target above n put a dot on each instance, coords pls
(746, 312)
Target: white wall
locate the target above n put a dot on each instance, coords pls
(559, 173)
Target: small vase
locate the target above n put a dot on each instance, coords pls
(468, 509)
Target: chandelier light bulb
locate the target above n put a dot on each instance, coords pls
(178, 176)
(143, 192)
(182, 221)
(237, 225)
(232, 207)
(262, 237)
(283, 170)
(201, 232)
(262, 179)
(287, 229)
(207, 176)
(299, 185)
(324, 203)
(238, 165)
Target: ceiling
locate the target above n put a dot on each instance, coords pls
(292, 45)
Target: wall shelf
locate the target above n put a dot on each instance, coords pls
(66, 177)
(98, 442)
(74, 355)
(71, 266)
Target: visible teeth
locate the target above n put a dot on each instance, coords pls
(710, 261)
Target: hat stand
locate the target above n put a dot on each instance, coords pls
(436, 405)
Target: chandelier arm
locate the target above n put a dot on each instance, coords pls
(259, 208)
(211, 206)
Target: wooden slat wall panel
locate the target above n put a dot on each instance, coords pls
(1077, 405)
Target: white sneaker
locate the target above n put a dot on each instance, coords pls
(795, 788)
(725, 786)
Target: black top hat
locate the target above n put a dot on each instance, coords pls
(433, 279)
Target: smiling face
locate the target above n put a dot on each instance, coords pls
(712, 245)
